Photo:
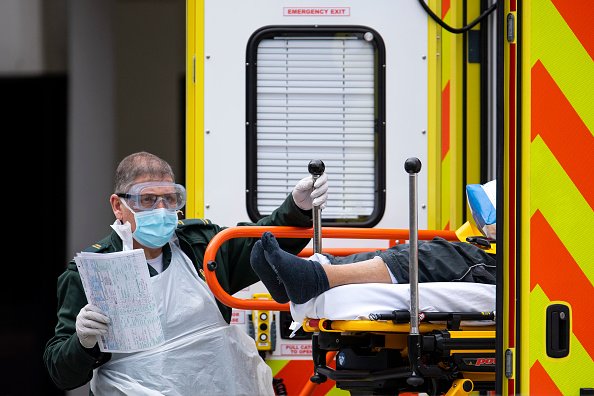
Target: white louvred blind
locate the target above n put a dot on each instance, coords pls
(316, 100)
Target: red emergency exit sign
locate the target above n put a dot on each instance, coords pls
(317, 11)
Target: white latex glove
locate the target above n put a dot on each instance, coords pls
(307, 194)
(90, 322)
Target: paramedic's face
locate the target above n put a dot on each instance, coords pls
(127, 215)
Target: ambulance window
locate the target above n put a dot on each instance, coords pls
(317, 93)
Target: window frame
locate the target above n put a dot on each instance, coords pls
(379, 133)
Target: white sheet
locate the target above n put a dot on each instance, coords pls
(357, 301)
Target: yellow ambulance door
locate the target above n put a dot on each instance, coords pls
(548, 151)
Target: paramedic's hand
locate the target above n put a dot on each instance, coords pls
(90, 322)
(307, 194)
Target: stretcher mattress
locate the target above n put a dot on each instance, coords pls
(357, 301)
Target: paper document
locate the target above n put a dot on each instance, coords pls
(119, 284)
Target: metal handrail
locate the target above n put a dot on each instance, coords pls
(295, 232)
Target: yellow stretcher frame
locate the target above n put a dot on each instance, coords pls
(396, 338)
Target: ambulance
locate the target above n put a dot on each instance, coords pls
(477, 90)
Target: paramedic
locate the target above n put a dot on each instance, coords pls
(202, 352)
(291, 278)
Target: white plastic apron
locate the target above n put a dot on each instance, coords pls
(202, 355)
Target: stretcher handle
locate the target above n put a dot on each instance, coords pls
(316, 168)
(292, 232)
(413, 166)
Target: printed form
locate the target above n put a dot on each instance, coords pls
(119, 284)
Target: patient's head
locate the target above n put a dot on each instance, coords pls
(482, 201)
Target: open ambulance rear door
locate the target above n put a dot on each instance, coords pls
(546, 139)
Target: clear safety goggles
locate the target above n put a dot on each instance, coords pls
(148, 195)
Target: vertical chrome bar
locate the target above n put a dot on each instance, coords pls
(317, 226)
(316, 168)
(413, 167)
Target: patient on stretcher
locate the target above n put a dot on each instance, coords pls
(291, 278)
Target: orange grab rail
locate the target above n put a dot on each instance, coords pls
(295, 232)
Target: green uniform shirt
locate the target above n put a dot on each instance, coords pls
(70, 365)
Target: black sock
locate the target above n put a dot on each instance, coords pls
(267, 275)
(303, 279)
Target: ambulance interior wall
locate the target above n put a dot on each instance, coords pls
(228, 25)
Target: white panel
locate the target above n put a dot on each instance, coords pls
(403, 27)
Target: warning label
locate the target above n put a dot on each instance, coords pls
(317, 11)
(238, 317)
(295, 350)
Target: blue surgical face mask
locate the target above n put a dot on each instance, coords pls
(154, 228)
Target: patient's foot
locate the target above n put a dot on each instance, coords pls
(266, 273)
(303, 279)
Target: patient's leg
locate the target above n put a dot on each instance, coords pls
(306, 279)
(303, 279)
(372, 270)
(267, 274)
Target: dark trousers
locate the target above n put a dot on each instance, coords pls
(439, 261)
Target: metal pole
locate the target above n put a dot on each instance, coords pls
(316, 168)
(412, 167)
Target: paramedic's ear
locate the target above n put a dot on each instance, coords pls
(306, 193)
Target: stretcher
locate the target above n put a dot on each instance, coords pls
(456, 346)
(436, 338)
(454, 352)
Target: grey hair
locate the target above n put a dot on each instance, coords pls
(137, 165)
